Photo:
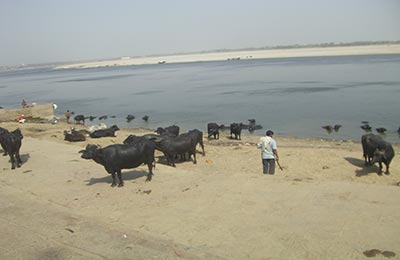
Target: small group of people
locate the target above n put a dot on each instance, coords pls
(21, 118)
(269, 152)
(25, 105)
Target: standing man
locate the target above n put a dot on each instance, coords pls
(67, 115)
(269, 152)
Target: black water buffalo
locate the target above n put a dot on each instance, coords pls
(213, 130)
(83, 132)
(116, 157)
(74, 136)
(369, 144)
(105, 132)
(11, 143)
(236, 129)
(252, 125)
(375, 149)
(129, 118)
(2, 131)
(366, 127)
(172, 130)
(79, 119)
(134, 138)
(172, 146)
(328, 128)
(197, 135)
(383, 154)
(381, 130)
(337, 127)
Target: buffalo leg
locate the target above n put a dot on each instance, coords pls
(194, 157)
(150, 175)
(121, 182)
(380, 168)
(172, 160)
(4, 150)
(19, 161)
(113, 178)
(167, 157)
(370, 161)
(387, 169)
(365, 159)
(202, 148)
(12, 160)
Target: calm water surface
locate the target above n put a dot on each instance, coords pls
(292, 96)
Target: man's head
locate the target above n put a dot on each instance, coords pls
(269, 133)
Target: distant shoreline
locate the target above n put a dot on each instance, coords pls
(240, 55)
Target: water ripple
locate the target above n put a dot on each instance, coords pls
(95, 78)
(147, 92)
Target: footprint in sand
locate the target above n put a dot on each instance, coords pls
(375, 252)
(388, 254)
(372, 252)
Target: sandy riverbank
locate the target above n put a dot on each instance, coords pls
(324, 205)
(251, 54)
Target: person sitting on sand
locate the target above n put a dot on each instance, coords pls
(21, 119)
(67, 116)
(23, 103)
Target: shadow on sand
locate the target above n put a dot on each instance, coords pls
(126, 176)
(364, 169)
(163, 160)
(25, 157)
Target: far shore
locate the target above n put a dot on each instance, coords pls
(240, 55)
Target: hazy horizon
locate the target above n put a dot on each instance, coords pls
(54, 31)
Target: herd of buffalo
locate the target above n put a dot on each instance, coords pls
(138, 150)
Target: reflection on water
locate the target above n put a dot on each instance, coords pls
(293, 96)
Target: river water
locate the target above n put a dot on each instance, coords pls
(292, 96)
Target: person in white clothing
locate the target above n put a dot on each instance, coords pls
(269, 152)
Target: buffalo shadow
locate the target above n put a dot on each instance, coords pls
(162, 159)
(24, 157)
(126, 176)
(364, 169)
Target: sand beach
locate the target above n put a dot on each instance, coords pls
(324, 205)
(242, 55)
